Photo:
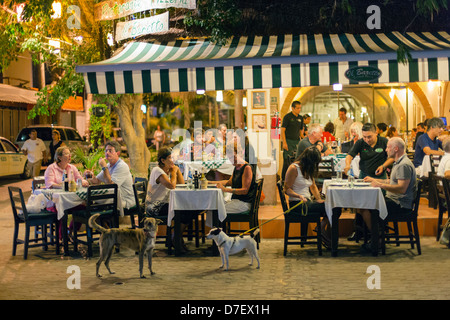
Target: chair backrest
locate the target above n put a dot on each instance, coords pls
(17, 202)
(37, 183)
(102, 198)
(327, 165)
(140, 192)
(282, 196)
(438, 186)
(417, 196)
(434, 162)
(446, 185)
(139, 179)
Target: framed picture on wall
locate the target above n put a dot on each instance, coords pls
(259, 121)
(259, 99)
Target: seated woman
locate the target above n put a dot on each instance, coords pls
(164, 178)
(54, 172)
(241, 184)
(300, 184)
(328, 132)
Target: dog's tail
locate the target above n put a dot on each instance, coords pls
(93, 223)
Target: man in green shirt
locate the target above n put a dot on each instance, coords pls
(372, 152)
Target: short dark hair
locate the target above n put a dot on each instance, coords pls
(435, 123)
(343, 110)
(382, 126)
(163, 153)
(294, 103)
(114, 144)
(369, 127)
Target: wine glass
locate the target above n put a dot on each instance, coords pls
(334, 145)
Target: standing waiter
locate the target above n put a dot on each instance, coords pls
(291, 129)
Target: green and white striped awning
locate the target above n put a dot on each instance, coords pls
(267, 62)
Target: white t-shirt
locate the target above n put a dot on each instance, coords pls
(34, 149)
(340, 128)
(157, 191)
(301, 185)
(121, 175)
(444, 165)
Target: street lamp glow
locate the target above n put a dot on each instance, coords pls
(200, 91)
(337, 87)
(56, 6)
(244, 101)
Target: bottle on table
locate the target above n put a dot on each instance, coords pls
(65, 181)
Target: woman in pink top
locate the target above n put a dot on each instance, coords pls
(54, 172)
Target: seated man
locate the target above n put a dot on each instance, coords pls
(116, 171)
(314, 138)
(401, 187)
(428, 143)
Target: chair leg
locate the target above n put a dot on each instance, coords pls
(319, 237)
(383, 238)
(89, 240)
(16, 234)
(286, 236)
(197, 233)
(416, 235)
(410, 233)
(396, 233)
(44, 236)
(26, 242)
(439, 225)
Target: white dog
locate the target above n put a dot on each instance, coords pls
(232, 245)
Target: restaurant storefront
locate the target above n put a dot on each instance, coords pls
(272, 71)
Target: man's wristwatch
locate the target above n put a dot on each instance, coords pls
(104, 168)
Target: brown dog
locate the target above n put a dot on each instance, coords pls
(140, 240)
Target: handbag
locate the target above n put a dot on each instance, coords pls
(445, 235)
(154, 208)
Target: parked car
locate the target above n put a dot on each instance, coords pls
(69, 135)
(12, 160)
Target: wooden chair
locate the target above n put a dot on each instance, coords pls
(303, 221)
(442, 198)
(410, 218)
(42, 219)
(250, 216)
(326, 171)
(140, 192)
(100, 199)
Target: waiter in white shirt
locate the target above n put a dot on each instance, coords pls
(342, 125)
(36, 152)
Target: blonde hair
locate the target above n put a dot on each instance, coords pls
(59, 153)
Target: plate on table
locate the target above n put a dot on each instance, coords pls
(181, 185)
(338, 184)
(362, 184)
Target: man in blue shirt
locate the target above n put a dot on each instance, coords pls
(428, 143)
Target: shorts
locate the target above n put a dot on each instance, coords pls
(394, 208)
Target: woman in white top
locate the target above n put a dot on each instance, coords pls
(299, 185)
(164, 178)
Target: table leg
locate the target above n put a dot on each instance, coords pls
(216, 222)
(177, 233)
(374, 215)
(335, 231)
(65, 237)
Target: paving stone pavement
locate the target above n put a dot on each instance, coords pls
(301, 275)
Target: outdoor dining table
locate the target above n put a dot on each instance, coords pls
(361, 196)
(66, 200)
(224, 166)
(184, 199)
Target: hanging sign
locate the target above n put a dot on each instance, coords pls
(363, 73)
(115, 9)
(139, 27)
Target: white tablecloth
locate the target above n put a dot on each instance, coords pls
(64, 200)
(206, 199)
(425, 169)
(357, 197)
(224, 167)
